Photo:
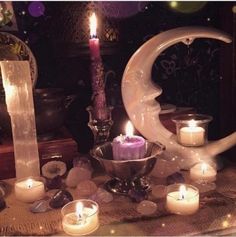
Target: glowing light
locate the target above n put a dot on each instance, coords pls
(29, 183)
(112, 231)
(182, 192)
(229, 215)
(79, 209)
(129, 129)
(192, 123)
(163, 225)
(93, 25)
(234, 9)
(203, 168)
(225, 224)
(173, 4)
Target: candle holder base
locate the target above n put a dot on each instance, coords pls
(127, 174)
(123, 187)
(100, 128)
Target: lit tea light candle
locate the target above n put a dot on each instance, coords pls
(29, 190)
(182, 199)
(80, 217)
(203, 173)
(129, 146)
(192, 135)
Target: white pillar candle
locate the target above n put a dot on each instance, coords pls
(182, 199)
(80, 217)
(192, 135)
(129, 146)
(203, 173)
(29, 190)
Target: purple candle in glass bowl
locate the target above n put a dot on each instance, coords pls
(129, 146)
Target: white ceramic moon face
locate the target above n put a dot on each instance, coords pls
(139, 93)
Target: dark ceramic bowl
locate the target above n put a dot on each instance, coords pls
(50, 110)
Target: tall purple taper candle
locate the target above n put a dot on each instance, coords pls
(97, 73)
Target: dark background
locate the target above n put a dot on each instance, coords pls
(200, 76)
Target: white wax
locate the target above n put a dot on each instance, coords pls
(187, 205)
(29, 193)
(192, 136)
(203, 172)
(87, 226)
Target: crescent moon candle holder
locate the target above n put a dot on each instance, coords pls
(139, 96)
(127, 174)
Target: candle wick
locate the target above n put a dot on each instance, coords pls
(93, 36)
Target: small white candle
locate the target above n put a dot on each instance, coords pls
(80, 217)
(192, 135)
(29, 190)
(203, 173)
(184, 201)
(129, 146)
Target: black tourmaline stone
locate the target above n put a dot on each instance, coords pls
(61, 198)
(175, 178)
(54, 183)
(138, 195)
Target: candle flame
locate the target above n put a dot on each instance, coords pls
(79, 209)
(29, 183)
(129, 130)
(182, 192)
(204, 168)
(192, 123)
(93, 25)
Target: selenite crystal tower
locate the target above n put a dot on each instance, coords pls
(19, 99)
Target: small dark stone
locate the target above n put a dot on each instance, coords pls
(60, 198)
(2, 204)
(175, 178)
(138, 195)
(54, 183)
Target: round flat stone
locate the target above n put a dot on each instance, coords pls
(102, 196)
(159, 191)
(76, 175)
(86, 188)
(147, 207)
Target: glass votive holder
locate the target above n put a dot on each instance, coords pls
(203, 173)
(182, 199)
(30, 189)
(80, 217)
(192, 129)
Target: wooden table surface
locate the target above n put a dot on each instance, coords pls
(216, 216)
